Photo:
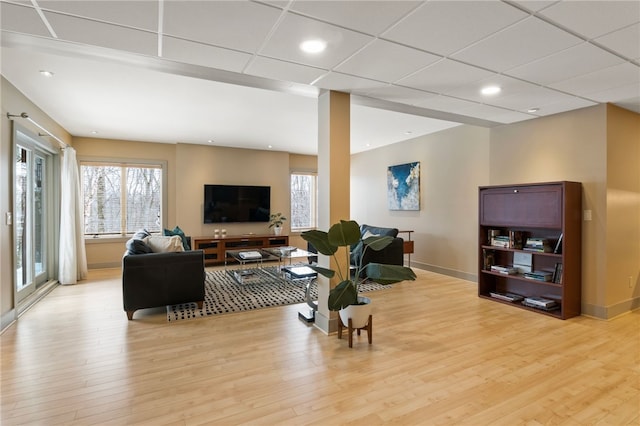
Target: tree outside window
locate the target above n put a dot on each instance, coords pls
(304, 196)
(119, 199)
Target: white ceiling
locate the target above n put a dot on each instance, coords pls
(232, 71)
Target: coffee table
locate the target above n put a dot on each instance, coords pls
(285, 256)
(245, 266)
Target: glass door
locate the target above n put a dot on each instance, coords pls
(32, 220)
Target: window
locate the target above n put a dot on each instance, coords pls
(304, 196)
(121, 198)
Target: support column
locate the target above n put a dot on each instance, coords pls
(334, 181)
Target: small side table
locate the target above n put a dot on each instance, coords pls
(407, 246)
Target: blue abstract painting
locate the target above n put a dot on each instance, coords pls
(403, 186)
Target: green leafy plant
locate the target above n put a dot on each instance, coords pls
(276, 219)
(347, 234)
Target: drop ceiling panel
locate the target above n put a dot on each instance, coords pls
(347, 83)
(594, 18)
(606, 79)
(22, 19)
(534, 5)
(446, 104)
(285, 42)
(519, 44)
(444, 76)
(386, 61)
(397, 94)
(628, 92)
(529, 97)
(133, 13)
(371, 17)
(444, 27)
(105, 35)
(567, 104)
(492, 113)
(577, 60)
(626, 41)
(510, 86)
(285, 71)
(232, 24)
(191, 52)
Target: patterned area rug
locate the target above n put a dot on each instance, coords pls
(223, 294)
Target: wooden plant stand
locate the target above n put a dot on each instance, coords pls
(349, 327)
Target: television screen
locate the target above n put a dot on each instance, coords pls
(236, 203)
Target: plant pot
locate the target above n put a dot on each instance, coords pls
(277, 230)
(359, 314)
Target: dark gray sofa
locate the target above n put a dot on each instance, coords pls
(393, 254)
(159, 279)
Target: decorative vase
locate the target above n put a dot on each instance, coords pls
(359, 314)
(277, 230)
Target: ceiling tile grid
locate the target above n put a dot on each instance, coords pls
(436, 55)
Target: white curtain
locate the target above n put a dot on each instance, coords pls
(73, 257)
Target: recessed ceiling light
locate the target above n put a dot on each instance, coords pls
(491, 90)
(313, 46)
(94, 132)
(270, 146)
(46, 73)
(533, 110)
(210, 141)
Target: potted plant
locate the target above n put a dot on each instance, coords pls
(275, 221)
(344, 296)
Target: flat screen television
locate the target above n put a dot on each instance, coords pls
(236, 203)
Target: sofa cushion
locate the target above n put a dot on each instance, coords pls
(377, 231)
(180, 233)
(137, 246)
(162, 244)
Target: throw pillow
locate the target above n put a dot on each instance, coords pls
(180, 233)
(137, 246)
(368, 234)
(161, 244)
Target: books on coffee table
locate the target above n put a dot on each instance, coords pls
(250, 255)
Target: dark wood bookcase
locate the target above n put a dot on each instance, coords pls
(538, 210)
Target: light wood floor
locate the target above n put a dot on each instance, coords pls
(440, 355)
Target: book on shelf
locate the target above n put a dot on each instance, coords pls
(537, 244)
(522, 261)
(542, 308)
(500, 241)
(508, 297)
(488, 258)
(539, 275)
(504, 269)
(516, 239)
(558, 248)
(542, 302)
(557, 274)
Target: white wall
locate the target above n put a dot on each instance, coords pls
(453, 164)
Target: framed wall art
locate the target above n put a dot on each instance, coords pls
(403, 186)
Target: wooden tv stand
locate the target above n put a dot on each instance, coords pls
(215, 247)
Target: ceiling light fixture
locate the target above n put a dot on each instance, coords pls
(491, 90)
(313, 46)
(270, 146)
(533, 110)
(94, 132)
(210, 141)
(46, 73)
